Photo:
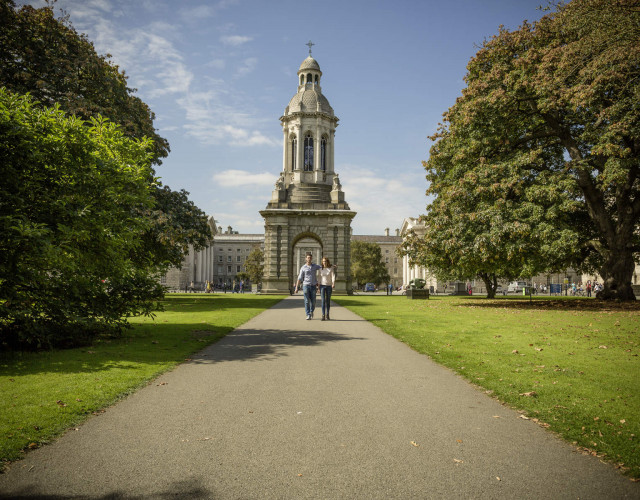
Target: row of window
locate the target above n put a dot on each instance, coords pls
(229, 269)
(308, 153)
(229, 258)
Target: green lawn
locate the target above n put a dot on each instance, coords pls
(572, 364)
(43, 394)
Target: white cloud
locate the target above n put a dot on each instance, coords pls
(197, 13)
(235, 40)
(237, 178)
(213, 119)
(216, 64)
(247, 66)
(382, 199)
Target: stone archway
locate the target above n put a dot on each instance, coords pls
(303, 243)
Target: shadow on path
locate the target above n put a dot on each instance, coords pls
(185, 489)
(264, 345)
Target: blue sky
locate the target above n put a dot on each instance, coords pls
(218, 75)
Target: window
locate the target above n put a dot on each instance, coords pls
(228, 269)
(386, 251)
(237, 269)
(308, 153)
(395, 270)
(219, 258)
(395, 260)
(301, 79)
(163, 279)
(238, 258)
(323, 154)
(294, 152)
(219, 269)
(228, 258)
(386, 260)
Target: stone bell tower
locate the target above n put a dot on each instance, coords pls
(307, 211)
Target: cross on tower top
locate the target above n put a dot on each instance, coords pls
(310, 44)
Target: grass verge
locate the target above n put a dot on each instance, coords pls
(45, 393)
(571, 364)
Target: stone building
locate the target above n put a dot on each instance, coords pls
(410, 272)
(388, 245)
(197, 267)
(230, 251)
(307, 210)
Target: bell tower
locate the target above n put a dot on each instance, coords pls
(307, 210)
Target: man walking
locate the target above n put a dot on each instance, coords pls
(307, 277)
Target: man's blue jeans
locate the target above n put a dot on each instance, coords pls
(309, 292)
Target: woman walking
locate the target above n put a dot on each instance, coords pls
(326, 278)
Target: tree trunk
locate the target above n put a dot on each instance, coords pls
(491, 284)
(616, 272)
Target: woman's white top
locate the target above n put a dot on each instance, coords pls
(326, 276)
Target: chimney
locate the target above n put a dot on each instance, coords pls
(219, 229)
(386, 231)
(397, 232)
(229, 230)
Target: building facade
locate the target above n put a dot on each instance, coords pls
(388, 246)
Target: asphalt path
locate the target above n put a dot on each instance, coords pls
(288, 408)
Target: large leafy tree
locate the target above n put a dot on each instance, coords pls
(366, 263)
(255, 265)
(71, 203)
(46, 57)
(537, 164)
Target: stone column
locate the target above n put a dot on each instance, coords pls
(285, 150)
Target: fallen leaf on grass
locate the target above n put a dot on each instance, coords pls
(458, 461)
(61, 403)
(523, 417)
(602, 347)
(530, 394)
(623, 421)
(414, 443)
(32, 446)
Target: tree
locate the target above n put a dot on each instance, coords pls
(538, 162)
(70, 218)
(255, 265)
(366, 263)
(48, 58)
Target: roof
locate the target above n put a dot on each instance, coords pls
(374, 238)
(309, 63)
(308, 100)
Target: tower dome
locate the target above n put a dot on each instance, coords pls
(309, 63)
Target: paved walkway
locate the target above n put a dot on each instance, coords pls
(288, 408)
